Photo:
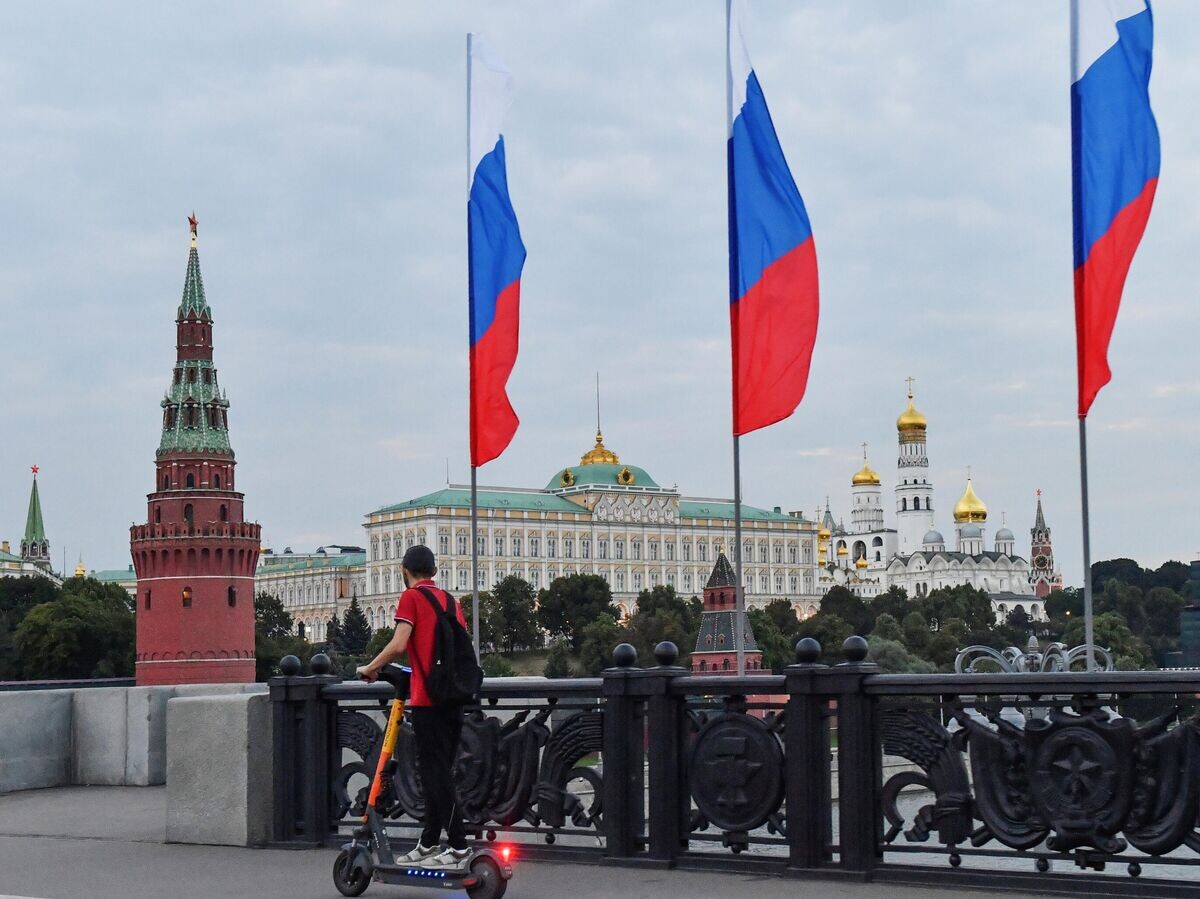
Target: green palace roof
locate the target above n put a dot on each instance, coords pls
(460, 497)
(8, 557)
(724, 509)
(114, 575)
(277, 564)
(602, 474)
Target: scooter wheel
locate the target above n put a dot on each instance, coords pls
(491, 884)
(349, 880)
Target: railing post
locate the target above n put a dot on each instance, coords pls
(624, 812)
(859, 758)
(302, 753)
(666, 723)
(806, 749)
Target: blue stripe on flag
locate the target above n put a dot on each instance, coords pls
(496, 251)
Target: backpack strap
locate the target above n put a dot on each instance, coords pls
(429, 595)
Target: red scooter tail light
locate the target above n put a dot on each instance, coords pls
(506, 853)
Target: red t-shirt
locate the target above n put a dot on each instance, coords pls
(416, 610)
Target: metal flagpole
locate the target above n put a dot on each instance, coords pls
(1089, 635)
(474, 490)
(739, 626)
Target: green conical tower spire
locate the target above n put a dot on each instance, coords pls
(195, 410)
(193, 285)
(34, 546)
(35, 528)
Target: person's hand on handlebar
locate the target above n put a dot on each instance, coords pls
(368, 673)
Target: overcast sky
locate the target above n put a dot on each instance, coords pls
(322, 146)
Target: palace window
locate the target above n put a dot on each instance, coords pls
(460, 543)
(779, 583)
(671, 578)
(535, 547)
(620, 549)
(637, 580)
(762, 553)
(585, 548)
(654, 550)
(535, 578)
(793, 584)
(551, 547)
(687, 551)
(516, 546)
(499, 546)
(462, 579)
(443, 544)
(807, 552)
(636, 547)
(792, 554)
(374, 581)
(779, 555)
(669, 547)
(702, 552)
(603, 548)
(387, 583)
(620, 581)
(762, 583)
(687, 581)
(481, 579)
(568, 548)
(374, 549)
(481, 545)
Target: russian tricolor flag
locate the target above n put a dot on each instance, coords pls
(496, 256)
(1115, 160)
(772, 259)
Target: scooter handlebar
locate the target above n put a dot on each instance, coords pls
(398, 676)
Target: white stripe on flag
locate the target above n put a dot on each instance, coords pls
(737, 61)
(491, 94)
(1094, 29)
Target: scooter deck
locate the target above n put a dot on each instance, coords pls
(457, 879)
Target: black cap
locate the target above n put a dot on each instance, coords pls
(419, 560)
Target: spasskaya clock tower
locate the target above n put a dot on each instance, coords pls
(1043, 576)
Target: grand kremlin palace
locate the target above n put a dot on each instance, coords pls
(613, 519)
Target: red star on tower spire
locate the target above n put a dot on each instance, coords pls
(34, 469)
(192, 221)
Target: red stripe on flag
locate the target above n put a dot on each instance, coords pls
(1098, 285)
(493, 421)
(774, 328)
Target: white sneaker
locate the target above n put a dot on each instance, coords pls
(419, 855)
(450, 859)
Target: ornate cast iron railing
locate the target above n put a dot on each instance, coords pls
(1039, 781)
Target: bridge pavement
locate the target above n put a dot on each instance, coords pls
(106, 843)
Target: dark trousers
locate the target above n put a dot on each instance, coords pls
(436, 730)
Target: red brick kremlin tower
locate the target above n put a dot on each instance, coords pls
(195, 557)
(715, 651)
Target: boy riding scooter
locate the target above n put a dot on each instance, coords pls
(445, 675)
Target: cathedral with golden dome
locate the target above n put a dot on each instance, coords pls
(868, 557)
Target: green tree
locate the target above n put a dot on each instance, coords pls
(333, 635)
(887, 628)
(1129, 652)
(892, 657)
(571, 603)
(515, 604)
(271, 619)
(972, 607)
(558, 663)
(273, 637)
(849, 608)
(916, 632)
(830, 631)
(894, 601)
(495, 665)
(943, 646)
(777, 648)
(355, 631)
(379, 640)
(599, 639)
(661, 614)
(76, 637)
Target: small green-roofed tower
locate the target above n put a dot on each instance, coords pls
(34, 545)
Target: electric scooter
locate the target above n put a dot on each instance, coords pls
(368, 856)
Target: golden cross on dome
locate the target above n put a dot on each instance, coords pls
(910, 380)
(864, 446)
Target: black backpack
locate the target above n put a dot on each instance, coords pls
(454, 676)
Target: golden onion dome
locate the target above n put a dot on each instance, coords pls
(80, 571)
(866, 476)
(970, 508)
(599, 454)
(911, 421)
(861, 563)
(821, 560)
(842, 551)
(823, 533)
